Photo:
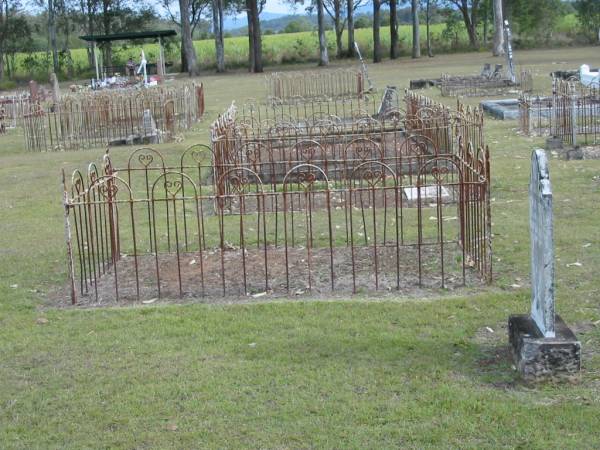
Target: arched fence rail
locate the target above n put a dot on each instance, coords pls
(108, 118)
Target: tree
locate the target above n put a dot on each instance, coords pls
(428, 5)
(186, 36)
(376, 27)
(337, 11)
(588, 13)
(323, 55)
(15, 35)
(469, 10)
(350, 9)
(393, 29)
(217, 16)
(534, 19)
(52, 35)
(197, 8)
(498, 49)
(254, 36)
(416, 38)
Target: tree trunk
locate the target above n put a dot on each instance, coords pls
(323, 56)
(351, 52)
(184, 66)
(3, 20)
(339, 28)
(106, 46)
(217, 7)
(393, 29)
(485, 23)
(428, 22)
(470, 23)
(416, 37)
(250, 37)
(498, 49)
(256, 37)
(186, 36)
(52, 34)
(376, 26)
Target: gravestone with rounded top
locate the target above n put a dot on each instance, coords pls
(543, 345)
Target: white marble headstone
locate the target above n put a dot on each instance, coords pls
(542, 244)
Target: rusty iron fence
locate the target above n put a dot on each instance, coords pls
(297, 87)
(116, 117)
(479, 86)
(535, 115)
(572, 113)
(13, 108)
(265, 213)
(576, 112)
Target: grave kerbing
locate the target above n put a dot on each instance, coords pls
(543, 345)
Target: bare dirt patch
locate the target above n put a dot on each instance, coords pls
(202, 278)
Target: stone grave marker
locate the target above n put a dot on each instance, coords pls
(543, 345)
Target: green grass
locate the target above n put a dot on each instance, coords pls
(277, 49)
(360, 373)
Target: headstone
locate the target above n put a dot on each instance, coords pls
(55, 88)
(543, 346)
(390, 96)
(542, 244)
(33, 91)
(149, 131)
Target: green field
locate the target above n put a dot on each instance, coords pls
(277, 49)
(354, 373)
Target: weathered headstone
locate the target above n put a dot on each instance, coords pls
(55, 88)
(149, 131)
(543, 345)
(33, 91)
(389, 101)
(542, 244)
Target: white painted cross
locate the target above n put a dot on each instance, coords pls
(542, 244)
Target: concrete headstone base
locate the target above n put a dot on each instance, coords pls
(539, 358)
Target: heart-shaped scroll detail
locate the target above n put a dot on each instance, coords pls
(306, 179)
(439, 173)
(372, 177)
(196, 156)
(173, 187)
(146, 159)
(237, 183)
(108, 190)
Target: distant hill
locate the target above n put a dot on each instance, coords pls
(232, 23)
(277, 23)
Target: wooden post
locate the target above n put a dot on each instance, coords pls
(96, 62)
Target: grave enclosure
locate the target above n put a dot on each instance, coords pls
(571, 113)
(313, 197)
(92, 119)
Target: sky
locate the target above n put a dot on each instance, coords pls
(281, 7)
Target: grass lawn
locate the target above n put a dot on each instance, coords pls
(355, 373)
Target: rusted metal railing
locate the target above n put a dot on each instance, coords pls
(314, 207)
(572, 113)
(479, 86)
(120, 116)
(294, 87)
